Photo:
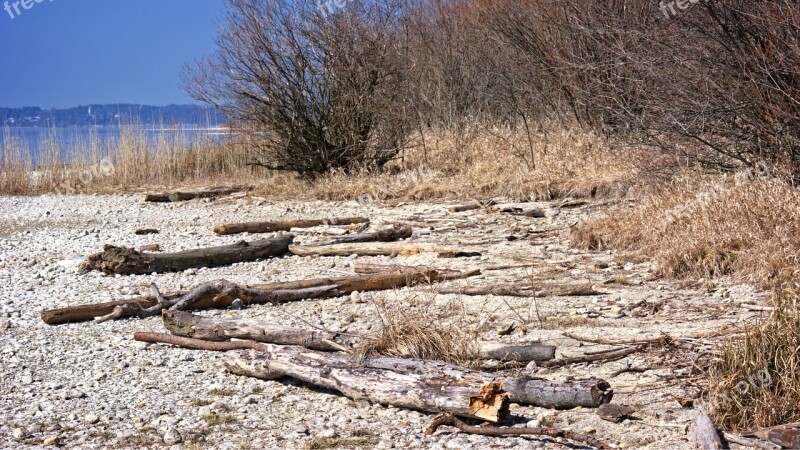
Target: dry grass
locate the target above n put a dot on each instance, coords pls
(700, 225)
(473, 163)
(755, 382)
(419, 328)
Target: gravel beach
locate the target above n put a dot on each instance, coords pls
(90, 385)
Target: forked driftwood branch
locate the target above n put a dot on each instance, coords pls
(448, 419)
(210, 299)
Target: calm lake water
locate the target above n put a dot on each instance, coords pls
(74, 140)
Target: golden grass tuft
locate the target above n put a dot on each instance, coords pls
(755, 381)
(701, 225)
(420, 329)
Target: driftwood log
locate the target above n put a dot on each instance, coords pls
(269, 365)
(285, 225)
(180, 196)
(374, 269)
(342, 285)
(705, 433)
(216, 329)
(525, 290)
(785, 436)
(394, 233)
(379, 249)
(472, 206)
(127, 261)
(469, 395)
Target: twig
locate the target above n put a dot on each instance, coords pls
(447, 419)
(197, 344)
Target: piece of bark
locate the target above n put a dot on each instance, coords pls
(180, 196)
(615, 413)
(149, 248)
(612, 355)
(705, 433)
(127, 261)
(344, 286)
(432, 391)
(213, 329)
(385, 235)
(521, 290)
(379, 249)
(216, 329)
(447, 419)
(285, 225)
(146, 231)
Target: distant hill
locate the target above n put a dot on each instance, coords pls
(125, 114)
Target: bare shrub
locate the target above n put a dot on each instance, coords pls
(325, 90)
(754, 382)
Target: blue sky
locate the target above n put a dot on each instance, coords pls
(62, 53)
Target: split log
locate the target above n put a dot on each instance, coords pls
(286, 225)
(212, 329)
(705, 433)
(387, 235)
(178, 196)
(469, 395)
(379, 249)
(447, 419)
(785, 436)
(343, 286)
(516, 290)
(127, 261)
(216, 329)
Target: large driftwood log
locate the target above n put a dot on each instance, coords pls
(379, 249)
(469, 395)
(179, 196)
(127, 261)
(343, 286)
(217, 329)
(285, 225)
(524, 290)
(386, 235)
(523, 390)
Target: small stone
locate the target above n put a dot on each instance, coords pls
(327, 434)
(99, 376)
(91, 419)
(237, 305)
(172, 437)
(615, 310)
(18, 434)
(355, 298)
(250, 400)
(301, 429)
(536, 423)
(52, 440)
(589, 430)
(27, 380)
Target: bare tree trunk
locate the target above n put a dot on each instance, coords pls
(127, 261)
(271, 227)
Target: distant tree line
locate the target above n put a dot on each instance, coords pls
(340, 88)
(110, 115)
